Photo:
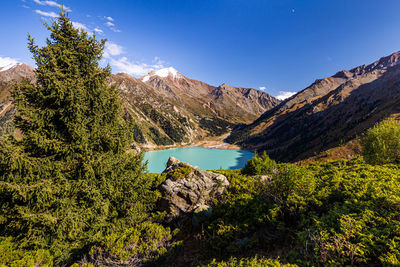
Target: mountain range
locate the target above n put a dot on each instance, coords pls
(330, 112)
(167, 107)
(170, 109)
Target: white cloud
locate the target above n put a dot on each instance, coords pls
(158, 63)
(136, 68)
(112, 49)
(109, 18)
(98, 30)
(283, 95)
(122, 64)
(262, 88)
(79, 26)
(47, 14)
(25, 6)
(52, 4)
(110, 24)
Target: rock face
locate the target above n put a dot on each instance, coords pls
(187, 188)
(229, 103)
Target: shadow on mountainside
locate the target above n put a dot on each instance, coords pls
(337, 117)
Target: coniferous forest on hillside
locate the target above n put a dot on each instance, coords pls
(74, 193)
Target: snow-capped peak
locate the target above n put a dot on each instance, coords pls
(7, 63)
(163, 73)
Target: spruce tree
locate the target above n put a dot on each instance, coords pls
(69, 180)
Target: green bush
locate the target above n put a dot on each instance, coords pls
(291, 186)
(133, 246)
(179, 173)
(236, 219)
(381, 144)
(13, 256)
(259, 165)
(248, 262)
(336, 213)
(356, 221)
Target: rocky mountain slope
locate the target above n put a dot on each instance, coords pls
(331, 111)
(9, 75)
(233, 104)
(167, 107)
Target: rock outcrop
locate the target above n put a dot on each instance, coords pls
(187, 188)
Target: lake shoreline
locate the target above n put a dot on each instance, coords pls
(213, 143)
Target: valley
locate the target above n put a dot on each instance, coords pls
(170, 110)
(148, 167)
(330, 112)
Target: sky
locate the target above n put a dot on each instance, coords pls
(278, 46)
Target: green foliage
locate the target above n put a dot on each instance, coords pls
(335, 213)
(175, 132)
(179, 173)
(160, 139)
(6, 123)
(215, 126)
(15, 257)
(381, 144)
(135, 245)
(248, 262)
(259, 165)
(235, 222)
(358, 218)
(138, 135)
(240, 183)
(69, 182)
(292, 187)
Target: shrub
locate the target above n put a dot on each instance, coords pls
(179, 173)
(336, 213)
(381, 144)
(356, 221)
(291, 186)
(235, 221)
(159, 138)
(14, 256)
(134, 246)
(248, 262)
(259, 165)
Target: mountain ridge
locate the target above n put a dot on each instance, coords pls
(166, 110)
(330, 111)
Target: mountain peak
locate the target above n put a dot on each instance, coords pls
(164, 73)
(7, 63)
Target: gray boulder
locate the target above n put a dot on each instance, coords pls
(187, 188)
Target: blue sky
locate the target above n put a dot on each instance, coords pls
(279, 45)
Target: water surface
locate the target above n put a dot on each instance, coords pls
(204, 158)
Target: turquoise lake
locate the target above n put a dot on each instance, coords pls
(204, 158)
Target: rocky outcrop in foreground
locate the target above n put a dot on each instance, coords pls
(188, 188)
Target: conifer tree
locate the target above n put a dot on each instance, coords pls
(69, 181)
